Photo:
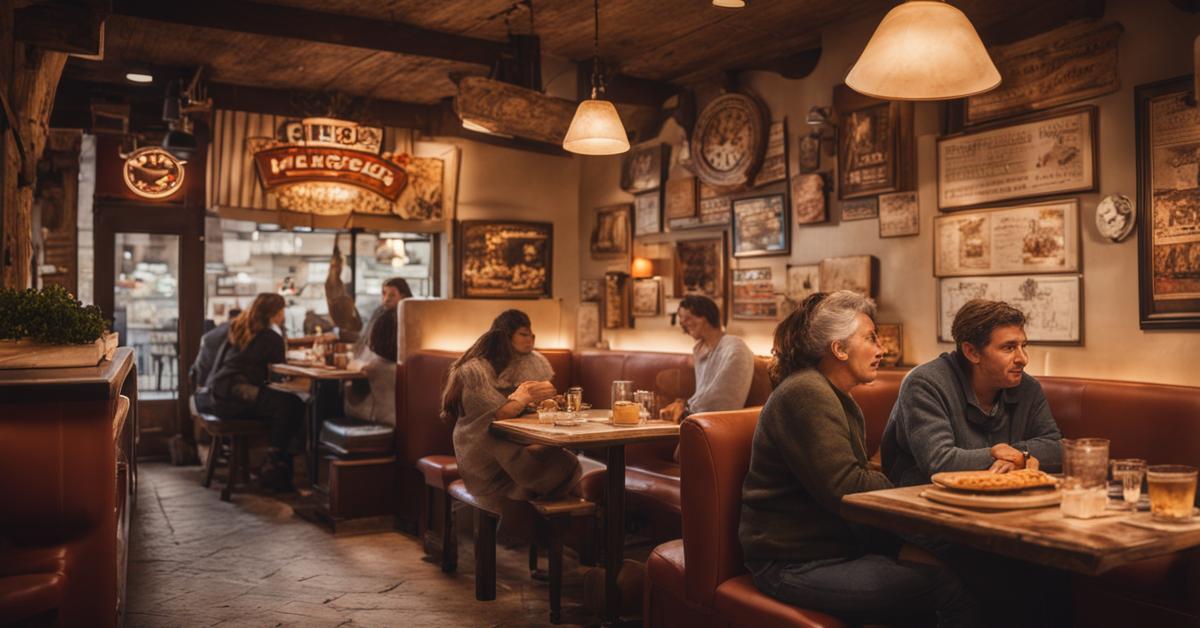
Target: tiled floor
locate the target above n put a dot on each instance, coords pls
(198, 561)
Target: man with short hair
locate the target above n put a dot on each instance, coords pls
(974, 408)
(724, 364)
(210, 344)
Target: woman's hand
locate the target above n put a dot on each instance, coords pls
(533, 392)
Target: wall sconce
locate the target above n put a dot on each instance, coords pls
(643, 267)
(820, 122)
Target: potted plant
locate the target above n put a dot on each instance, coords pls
(51, 329)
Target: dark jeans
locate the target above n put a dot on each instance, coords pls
(870, 588)
(283, 411)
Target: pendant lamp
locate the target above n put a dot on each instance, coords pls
(923, 50)
(596, 128)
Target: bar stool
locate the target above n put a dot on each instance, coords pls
(439, 472)
(236, 432)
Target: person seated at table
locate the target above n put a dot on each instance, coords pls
(374, 399)
(239, 384)
(974, 408)
(210, 344)
(724, 364)
(496, 379)
(809, 450)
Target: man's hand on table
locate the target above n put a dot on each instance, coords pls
(673, 410)
(1009, 458)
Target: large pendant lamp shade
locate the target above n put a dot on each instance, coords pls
(924, 50)
(596, 128)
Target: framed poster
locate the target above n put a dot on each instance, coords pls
(859, 208)
(648, 297)
(591, 289)
(899, 215)
(647, 212)
(760, 227)
(803, 280)
(1051, 153)
(700, 268)
(857, 273)
(504, 259)
(1024, 239)
(645, 167)
(610, 236)
(875, 144)
(808, 154)
(774, 164)
(810, 203)
(681, 197)
(754, 294)
(715, 205)
(891, 338)
(587, 325)
(1051, 303)
(617, 301)
(1168, 142)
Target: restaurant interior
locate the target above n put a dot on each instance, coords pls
(592, 165)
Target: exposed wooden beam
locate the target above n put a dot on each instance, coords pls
(623, 88)
(330, 28)
(793, 66)
(62, 26)
(1048, 17)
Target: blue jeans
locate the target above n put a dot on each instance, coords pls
(870, 588)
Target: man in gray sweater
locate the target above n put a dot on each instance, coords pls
(724, 364)
(974, 408)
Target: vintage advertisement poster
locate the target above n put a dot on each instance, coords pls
(760, 226)
(1065, 65)
(875, 144)
(1024, 239)
(643, 167)
(899, 215)
(506, 260)
(647, 212)
(774, 165)
(859, 208)
(754, 294)
(809, 201)
(648, 297)
(616, 301)
(1051, 303)
(891, 338)
(610, 236)
(681, 197)
(856, 273)
(803, 280)
(587, 324)
(1049, 155)
(715, 209)
(1175, 201)
(700, 268)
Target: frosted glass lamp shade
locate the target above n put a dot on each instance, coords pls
(596, 130)
(923, 50)
(729, 4)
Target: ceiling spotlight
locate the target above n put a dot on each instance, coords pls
(139, 77)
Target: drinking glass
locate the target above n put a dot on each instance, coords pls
(1130, 472)
(626, 413)
(574, 399)
(648, 402)
(1085, 477)
(1172, 491)
(622, 390)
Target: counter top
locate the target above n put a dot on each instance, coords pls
(102, 381)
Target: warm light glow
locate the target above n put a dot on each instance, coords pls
(729, 4)
(923, 50)
(596, 130)
(138, 77)
(472, 125)
(641, 267)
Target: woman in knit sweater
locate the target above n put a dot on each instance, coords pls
(809, 450)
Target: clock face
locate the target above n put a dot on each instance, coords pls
(729, 140)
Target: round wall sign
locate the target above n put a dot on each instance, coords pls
(1115, 217)
(152, 172)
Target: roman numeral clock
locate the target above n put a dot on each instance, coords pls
(729, 140)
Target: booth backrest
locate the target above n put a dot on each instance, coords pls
(876, 400)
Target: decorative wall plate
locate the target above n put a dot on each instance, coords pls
(152, 172)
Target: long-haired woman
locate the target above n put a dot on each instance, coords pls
(239, 385)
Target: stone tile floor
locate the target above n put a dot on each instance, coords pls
(197, 561)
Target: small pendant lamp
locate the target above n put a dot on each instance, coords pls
(923, 50)
(596, 128)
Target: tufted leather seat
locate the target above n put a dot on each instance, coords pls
(347, 436)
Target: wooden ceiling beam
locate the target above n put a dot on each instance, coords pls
(63, 26)
(1048, 17)
(623, 88)
(316, 26)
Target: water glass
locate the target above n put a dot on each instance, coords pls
(1129, 472)
(574, 399)
(622, 390)
(647, 401)
(1172, 491)
(1085, 477)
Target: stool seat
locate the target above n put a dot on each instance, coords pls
(439, 471)
(459, 491)
(217, 426)
(572, 507)
(350, 436)
(29, 595)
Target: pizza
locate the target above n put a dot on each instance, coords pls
(987, 481)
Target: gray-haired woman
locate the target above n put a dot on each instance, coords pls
(809, 450)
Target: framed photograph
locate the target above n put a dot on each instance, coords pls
(1051, 303)
(875, 144)
(808, 153)
(760, 227)
(774, 165)
(587, 325)
(1023, 239)
(810, 201)
(504, 259)
(1050, 153)
(859, 208)
(644, 167)
(681, 197)
(754, 294)
(700, 268)
(617, 297)
(591, 289)
(610, 236)
(648, 297)
(857, 273)
(899, 215)
(1168, 196)
(647, 212)
(715, 209)
(803, 280)
(891, 338)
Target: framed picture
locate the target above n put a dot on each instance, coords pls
(899, 215)
(647, 212)
(648, 297)
(808, 154)
(774, 165)
(803, 280)
(1050, 153)
(859, 208)
(610, 236)
(810, 202)
(857, 273)
(617, 301)
(1168, 196)
(760, 227)
(681, 197)
(700, 268)
(1051, 303)
(591, 289)
(504, 259)
(645, 167)
(754, 294)
(891, 338)
(875, 144)
(587, 325)
(715, 209)
(1023, 239)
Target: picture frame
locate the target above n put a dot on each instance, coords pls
(647, 212)
(857, 273)
(754, 294)
(591, 290)
(681, 197)
(715, 207)
(810, 198)
(875, 144)
(774, 165)
(891, 338)
(1036, 238)
(859, 208)
(611, 235)
(504, 259)
(808, 153)
(617, 297)
(899, 214)
(761, 226)
(1052, 304)
(1168, 200)
(647, 297)
(587, 325)
(644, 168)
(802, 281)
(699, 267)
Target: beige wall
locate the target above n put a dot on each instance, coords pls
(1157, 44)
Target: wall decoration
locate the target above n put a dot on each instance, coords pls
(152, 172)
(754, 294)
(859, 208)
(774, 165)
(587, 325)
(729, 139)
(647, 211)
(810, 203)
(1115, 216)
(1024, 239)
(899, 215)
(857, 273)
(504, 259)
(591, 289)
(610, 236)
(875, 144)
(645, 167)
(1168, 142)
(1068, 64)
(617, 297)
(648, 297)
(808, 155)
(681, 197)
(803, 280)
(715, 208)
(512, 110)
(1051, 303)
(700, 268)
(760, 226)
(1053, 153)
(891, 338)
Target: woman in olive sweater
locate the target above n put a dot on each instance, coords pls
(809, 450)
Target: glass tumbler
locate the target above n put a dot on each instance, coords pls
(1085, 477)
(1172, 491)
(622, 390)
(1129, 472)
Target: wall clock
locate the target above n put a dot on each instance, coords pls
(729, 139)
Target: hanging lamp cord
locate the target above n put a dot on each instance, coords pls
(597, 84)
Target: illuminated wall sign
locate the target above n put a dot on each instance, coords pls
(152, 172)
(333, 133)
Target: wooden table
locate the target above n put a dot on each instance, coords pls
(1038, 535)
(612, 439)
(324, 400)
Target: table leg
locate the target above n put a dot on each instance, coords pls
(313, 432)
(614, 533)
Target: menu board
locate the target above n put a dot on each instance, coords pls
(1040, 238)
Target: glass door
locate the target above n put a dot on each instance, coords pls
(146, 310)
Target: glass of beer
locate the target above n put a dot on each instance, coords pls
(626, 413)
(574, 399)
(622, 390)
(1172, 491)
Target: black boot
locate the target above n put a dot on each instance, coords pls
(276, 472)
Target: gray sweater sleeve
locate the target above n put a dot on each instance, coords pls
(1044, 439)
(727, 378)
(925, 421)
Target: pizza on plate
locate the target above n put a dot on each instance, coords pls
(988, 481)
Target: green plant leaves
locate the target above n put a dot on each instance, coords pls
(49, 316)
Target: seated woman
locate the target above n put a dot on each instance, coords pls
(239, 384)
(809, 450)
(496, 379)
